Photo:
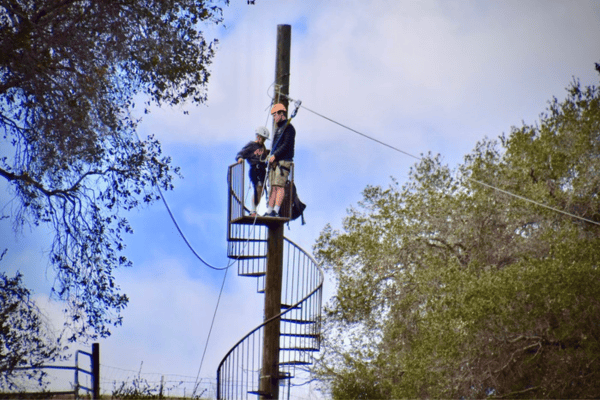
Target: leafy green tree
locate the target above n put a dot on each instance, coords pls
(448, 288)
(70, 71)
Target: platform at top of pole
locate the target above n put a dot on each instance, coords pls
(260, 220)
(239, 214)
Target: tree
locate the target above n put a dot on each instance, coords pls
(69, 74)
(448, 288)
(25, 340)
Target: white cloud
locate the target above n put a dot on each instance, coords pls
(408, 72)
(167, 321)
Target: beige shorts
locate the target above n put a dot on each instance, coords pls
(279, 175)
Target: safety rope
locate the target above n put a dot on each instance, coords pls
(212, 323)
(468, 178)
(288, 121)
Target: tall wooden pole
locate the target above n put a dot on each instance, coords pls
(282, 64)
(269, 380)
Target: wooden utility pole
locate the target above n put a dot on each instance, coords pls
(282, 64)
(269, 378)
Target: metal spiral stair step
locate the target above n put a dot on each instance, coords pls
(256, 274)
(247, 240)
(247, 257)
(288, 307)
(295, 363)
(302, 335)
(260, 393)
(298, 321)
(282, 375)
(298, 349)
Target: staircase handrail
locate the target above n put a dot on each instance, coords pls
(237, 364)
(319, 286)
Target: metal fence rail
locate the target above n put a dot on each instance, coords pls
(93, 372)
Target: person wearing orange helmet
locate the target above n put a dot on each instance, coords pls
(282, 156)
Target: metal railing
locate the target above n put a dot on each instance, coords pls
(93, 372)
(235, 179)
(239, 373)
(237, 209)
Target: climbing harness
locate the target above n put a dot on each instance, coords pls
(297, 104)
(275, 108)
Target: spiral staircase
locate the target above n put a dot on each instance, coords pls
(297, 325)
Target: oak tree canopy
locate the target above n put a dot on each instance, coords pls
(449, 289)
(70, 74)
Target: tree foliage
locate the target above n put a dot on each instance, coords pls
(25, 340)
(448, 288)
(69, 74)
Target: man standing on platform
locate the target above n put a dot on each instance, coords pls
(282, 156)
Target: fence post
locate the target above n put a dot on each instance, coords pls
(96, 370)
(76, 372)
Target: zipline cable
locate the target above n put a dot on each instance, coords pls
(468, 178)
(209, 332)
(363, 135)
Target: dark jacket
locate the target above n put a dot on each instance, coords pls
(284, 142)
(253, 152)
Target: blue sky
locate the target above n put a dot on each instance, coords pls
(421, 75)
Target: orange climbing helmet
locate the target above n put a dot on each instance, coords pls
(278, 107)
